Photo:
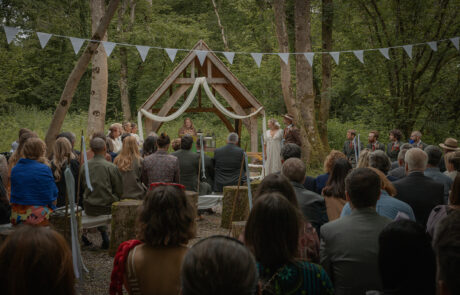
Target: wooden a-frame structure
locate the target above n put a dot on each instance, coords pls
(219, 78)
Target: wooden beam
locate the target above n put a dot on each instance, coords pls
(193, 110)
(169, 104)
(238, 130)
(209, 64)
(253, 133)
(209, 80)
(225, 120)
(192, 69)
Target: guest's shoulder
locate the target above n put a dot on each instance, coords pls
(335, 225)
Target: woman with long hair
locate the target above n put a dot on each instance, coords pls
(63, 156)
(187, 128)
(329, 162)
(18, 154)
(272, 143)
(150, 146)
(334, 191)
(129, 163)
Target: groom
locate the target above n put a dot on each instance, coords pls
(291, 132)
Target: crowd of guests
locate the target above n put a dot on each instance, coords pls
(363, 227)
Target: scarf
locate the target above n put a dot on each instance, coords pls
(116, 278)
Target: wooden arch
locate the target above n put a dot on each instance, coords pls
(219, 78)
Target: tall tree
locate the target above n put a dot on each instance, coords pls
(220, 25)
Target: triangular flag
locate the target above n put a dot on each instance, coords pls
(229, 56)
(171, 53)
(10, 33)
(108, 47)
(143, 51)
(335, 56)
(455, 42)
(201, 54)
(433, 45)
(257, 58)
(384, 52)
(408, 49)
(284, 57)
(43, 38)
(76, 43)
(309, 56)
(359, 55)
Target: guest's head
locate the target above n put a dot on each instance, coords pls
(98, 146)
(378, 159)
(449, 145)
(363, 160)
(406, 259)
(125, 135)
(36, 260)
(453, 161)
(416, 136)
(22, 131)
(232, 138)
(402, 155)
(129, 153)
(115, 130)
(373, 136)
(18, 153)
(277, 183)
(100, 135)
(62, 154)
(294, 169)
(219, 265)
(186, 142)
(385, 184)
(134, 128)
(126, 127)
(35, 149)
(272, 230)
(176, 143)
(329, 162)
(290, 150)
(70, 137)
(454, 195)
(434, 155)
(163, 141)
(150, 146)
(447, 248)
(416, 160)
(335, 186)
(351, 133)
(395, 135)
(167, 217)
(362, 187)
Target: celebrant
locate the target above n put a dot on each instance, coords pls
(187, 128)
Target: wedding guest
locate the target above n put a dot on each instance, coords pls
(416, 140)
(227, 164)
(272, 141)
(150, 146)
(432, 169)
(400, 171)
(188, 163)
(114, 139)
(329, 163)
(291, 133)
(176, 144)
(187, 128)
(374, 144)
(448, 146)
(453, 164)
(334, 191)
(380, 161)
(363, 160)
(291, 150)
(393, 147)
(126, 128)
(90, 153)
(71, 138)
(134, 132)
(351, 148)
(18, 153)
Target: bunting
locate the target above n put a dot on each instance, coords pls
(284, 57)
(171, 53)
(335, 56)
(385, 52)
(201, 54)
(108, 47)
(408, 50)
(309, 56)
(143, 51)
(359, 55)
(257, 58)
(76, 43)
(229, 56)
(43, 38)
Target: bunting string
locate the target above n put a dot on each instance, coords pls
(77, 43)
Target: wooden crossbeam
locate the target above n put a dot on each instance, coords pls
(209, 80)
(169, 104)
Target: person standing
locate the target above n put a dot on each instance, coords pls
(188, 163)
(394, 144)
(416, 140)
(350, 147)
(114, 139)
(272, 140)
(432, 170)
(448, 146)
(187, 128)
(374, 144)
(291, 132)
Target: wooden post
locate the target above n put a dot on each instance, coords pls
(241, 212)
(238, 130)
(253, 133)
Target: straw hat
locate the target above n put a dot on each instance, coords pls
(289, 117)
(450, 144)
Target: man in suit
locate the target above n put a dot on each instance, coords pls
(394, 145)
(349, 245)
(419, 191)
(399, 170)
(374, 144)
(227, 164)
(350, 147)
(188, 163)
(432, 170)
(291, 132)
(311, 204)
(416, 140)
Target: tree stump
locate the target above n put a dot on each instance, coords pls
(238, 228)
(241, 206)
(62, 225)
(192, 197)
(123, 226)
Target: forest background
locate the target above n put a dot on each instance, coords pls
(422, 93)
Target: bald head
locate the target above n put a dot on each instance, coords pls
(97, 146)
(294, 169)
(416, 160)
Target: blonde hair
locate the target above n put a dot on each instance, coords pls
(363, 161)
(129, 152)
(385, 184)
(35, 149)
(274, 122)
(62, 154)
(331, 158)
(18, 153)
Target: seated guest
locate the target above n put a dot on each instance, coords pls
(374, 144)
(432, 169)
(394, 146)
(446, 245)
(291, 150)
(420, 192)
(160, 166)
(33, 190)
(150, 146)
(152, 264)
(329, 162)
(380, 161)
(208, 165)
(187, 128)
(134, 132)
(334, 191)
(5, 208)
(188, 163)
(406, 259)
(310, 204)
(90, 153)
(227, 164)
(397, 164)
(130, 163)
(453, 164)
(441, 211)
(18, 153)
(29, 256)
(363, 159)
(71, 138)
(63, 157)
(219, 265)
(126, 128)
(176, 144)
(387, 205)
(272, 235)
(400, 171)
(349, 245)
(107, 186)
(114, 139)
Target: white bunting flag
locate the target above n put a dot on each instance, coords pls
(408, 49)
(385, 52)
(143, 51)
(455, 42)
(108, 47)
(359, 55)
(43, 38)
(76, 43)
(433, 45)
(10, 33)
(284, 57)
(335, 56)
(171, 53)
(257, 58)
(201, 54)
(229, 56)
(309, 56)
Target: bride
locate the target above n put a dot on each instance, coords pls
(272, 140)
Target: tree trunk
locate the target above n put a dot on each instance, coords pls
(283, 46)
(75, 76)
(123, 82)
(312, 147)
(220, 25)
(123, 225)
(326, 33)
(99, 77)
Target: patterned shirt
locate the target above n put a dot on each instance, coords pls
(160, 167)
